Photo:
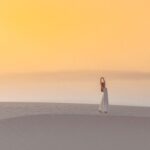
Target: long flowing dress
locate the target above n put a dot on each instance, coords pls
(104, 106)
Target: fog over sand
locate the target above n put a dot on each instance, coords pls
(125, 88)
(72, 132)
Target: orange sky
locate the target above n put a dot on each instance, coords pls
(46, 35)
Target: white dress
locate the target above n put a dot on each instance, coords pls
(104, 106)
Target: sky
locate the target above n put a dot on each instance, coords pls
(46, 35)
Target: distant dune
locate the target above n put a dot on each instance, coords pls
(13, 110)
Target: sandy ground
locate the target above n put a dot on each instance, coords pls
(41, 126)
(75, 132)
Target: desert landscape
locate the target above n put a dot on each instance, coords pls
(73, 126)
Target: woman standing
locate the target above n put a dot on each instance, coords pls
(104, 106)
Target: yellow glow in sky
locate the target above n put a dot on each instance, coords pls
(53, 35)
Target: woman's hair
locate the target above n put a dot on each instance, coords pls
(102, 83)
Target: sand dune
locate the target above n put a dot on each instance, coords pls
(72, 132)
(72, 127)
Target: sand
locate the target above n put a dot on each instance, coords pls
(63, 128)
(12, 110)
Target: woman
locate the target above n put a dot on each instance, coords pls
(104, 104)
